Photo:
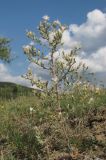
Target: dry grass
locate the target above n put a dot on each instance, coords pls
(33, 129)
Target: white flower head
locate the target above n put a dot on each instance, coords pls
(46, 18)
(31, 109)
(51, 36)
(57, 22)
(30, 33)
(91, 100)
(55, 79)
(27, 49)
(63, 28)
(68, 105)
(26, 46)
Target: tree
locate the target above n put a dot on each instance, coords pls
(61, 65)
(5, 49)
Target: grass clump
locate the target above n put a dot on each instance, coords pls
(32, 129)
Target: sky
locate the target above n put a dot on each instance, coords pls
(87, 25)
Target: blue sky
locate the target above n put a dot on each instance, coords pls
(18, 15)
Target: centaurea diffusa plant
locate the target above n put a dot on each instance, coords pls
(46, 50)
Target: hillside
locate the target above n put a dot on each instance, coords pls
(12, 90)
(33, 129)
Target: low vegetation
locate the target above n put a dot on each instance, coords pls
(32, 128)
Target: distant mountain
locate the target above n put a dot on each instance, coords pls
(12, 90)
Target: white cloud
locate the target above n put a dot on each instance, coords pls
(96, 61)
(96, 17)
(5, 76)
(39, 72)
(68, 40)
(91, 35)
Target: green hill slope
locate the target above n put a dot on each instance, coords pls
(12, 90)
